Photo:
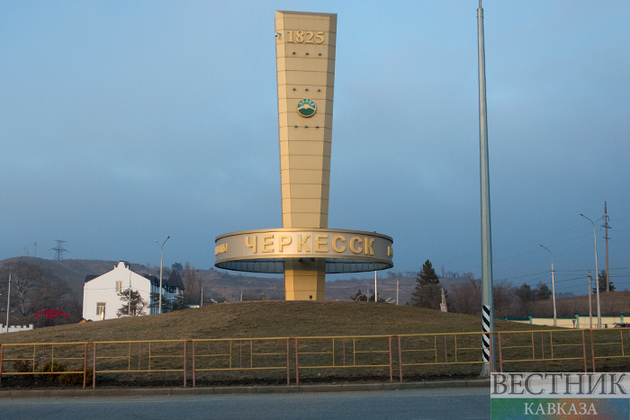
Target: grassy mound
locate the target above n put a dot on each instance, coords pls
(264, 319)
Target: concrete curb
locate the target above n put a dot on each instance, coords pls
(219, 390)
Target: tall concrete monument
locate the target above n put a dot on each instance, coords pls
(304, 249)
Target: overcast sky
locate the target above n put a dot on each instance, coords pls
(124, 122)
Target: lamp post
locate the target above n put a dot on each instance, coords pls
(161, 260)
(9, 294)
(599, 313)
(553, 288)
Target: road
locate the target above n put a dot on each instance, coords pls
(453, 403)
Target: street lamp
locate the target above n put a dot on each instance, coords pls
(9, 294)
(599, 313)
(553, 288)
(161, 259)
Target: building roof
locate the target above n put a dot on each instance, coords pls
(175, 280)
(155, 281)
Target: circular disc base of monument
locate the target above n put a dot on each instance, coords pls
(266, 250)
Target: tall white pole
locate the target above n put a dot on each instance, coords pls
(375, 289)
(590, 302)
(9, 299)
(9, 295)
(129, 308)
(599, 313)
(161, 260)
(487, 304)
(553, 288)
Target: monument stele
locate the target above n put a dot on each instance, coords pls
(304, 249)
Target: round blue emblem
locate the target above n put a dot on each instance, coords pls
(306, 108)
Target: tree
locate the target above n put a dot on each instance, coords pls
(359, 297)
(602, 283)
(428, 293)
(136, 306)
(192, 285)
(177, 266)
(33, 289)
(543, 292)
(380, 299)
(525, 293)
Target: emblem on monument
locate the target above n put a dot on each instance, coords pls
(306, 108)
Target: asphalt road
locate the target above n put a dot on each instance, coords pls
(452, 403)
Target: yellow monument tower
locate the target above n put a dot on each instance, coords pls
(305, 59)
(304, 249)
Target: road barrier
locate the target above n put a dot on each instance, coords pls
(368, 356)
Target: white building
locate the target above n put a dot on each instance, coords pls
(100, 293)
(15, 328)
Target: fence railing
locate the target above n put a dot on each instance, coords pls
(375, 356)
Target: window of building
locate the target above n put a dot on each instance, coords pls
(118, 286)
(100, 308)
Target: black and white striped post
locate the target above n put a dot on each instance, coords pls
(487, 303)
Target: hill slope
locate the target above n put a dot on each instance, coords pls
(264, 319)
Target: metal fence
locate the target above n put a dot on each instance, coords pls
(288, 359)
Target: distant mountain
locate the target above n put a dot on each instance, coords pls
(219, 283)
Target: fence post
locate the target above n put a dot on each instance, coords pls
(84, 365)
(500, 353)
(94, 366)
(542, 344)
(592, 351)
(492, 354)
(288, 365)
(194, 373)
(445, 351)
(584, 351)
(391, 367)
(400, 359)
(2, 360)
(185, 361)
(297, 374)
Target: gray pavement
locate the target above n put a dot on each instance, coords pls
(306, 403)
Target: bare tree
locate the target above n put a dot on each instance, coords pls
(192, 285)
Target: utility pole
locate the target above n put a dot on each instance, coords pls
(606, 226)
(599, 312)
(553, 287)
(397, 292)
(487, 304)
(375, 289)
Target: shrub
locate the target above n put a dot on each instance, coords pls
(23, 366)
(76, 378)
(52, 367)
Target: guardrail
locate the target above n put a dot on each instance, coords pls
(375, 356)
